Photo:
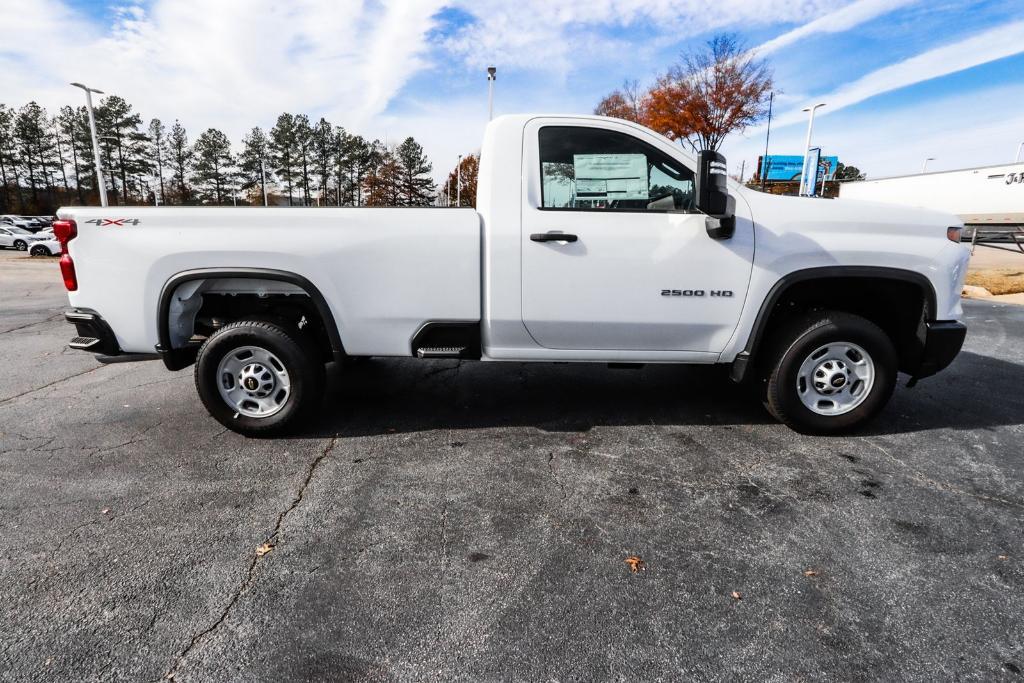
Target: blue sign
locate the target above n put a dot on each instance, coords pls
(780, 167)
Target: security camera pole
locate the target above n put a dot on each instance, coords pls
(95, 141)
(491, 71)
(1020, 147)
(924, 166)
(804, 187)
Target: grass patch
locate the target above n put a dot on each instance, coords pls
(998, 280)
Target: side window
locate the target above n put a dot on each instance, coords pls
(594, 168)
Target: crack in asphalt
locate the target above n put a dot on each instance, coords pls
(554, 475)
(45, 386)
(924, 480)
(52, 318)
(254, 561)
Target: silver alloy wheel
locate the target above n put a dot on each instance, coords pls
(835, 378)
(253, 381)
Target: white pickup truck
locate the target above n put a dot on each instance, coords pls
(594, 240)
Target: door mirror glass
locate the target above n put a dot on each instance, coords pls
(713, 195)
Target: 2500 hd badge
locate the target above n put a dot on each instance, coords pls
(696, 292)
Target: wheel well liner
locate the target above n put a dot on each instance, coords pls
(768, 307)
(174, 359)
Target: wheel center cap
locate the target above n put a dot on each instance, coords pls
(257, 380)
(251, 384)
(838, 381)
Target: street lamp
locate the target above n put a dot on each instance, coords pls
(95, 142)
(1020, 148)
(804, 188)
(491, 77)
(924, 166)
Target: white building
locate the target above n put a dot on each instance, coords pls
(987, 196)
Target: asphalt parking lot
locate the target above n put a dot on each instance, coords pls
(472, 521)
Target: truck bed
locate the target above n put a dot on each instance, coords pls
(383, 272)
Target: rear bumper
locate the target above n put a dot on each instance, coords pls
(942, 342)
(93, 334)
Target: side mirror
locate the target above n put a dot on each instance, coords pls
(712, 190)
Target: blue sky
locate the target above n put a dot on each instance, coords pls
(903, 79)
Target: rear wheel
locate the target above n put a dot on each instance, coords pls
(20, 245)
(39, 250)
(258, 378)
(830, 372)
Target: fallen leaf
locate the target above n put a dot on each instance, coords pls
(635, 564)
(810, 572)
(264, 549)
(105, 511)
(736, 595)
(1003, 557)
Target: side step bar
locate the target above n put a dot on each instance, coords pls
(441, 351)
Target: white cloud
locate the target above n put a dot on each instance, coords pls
(843, 19)
(569, 34)
(982, 48)
(229, 64)
(966, 133)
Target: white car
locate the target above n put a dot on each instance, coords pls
(46, 247)
(13, 237)
(9, 220)
(593, 240)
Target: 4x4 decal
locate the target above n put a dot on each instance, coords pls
(118, 222)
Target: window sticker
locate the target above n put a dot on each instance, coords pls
(611, 176)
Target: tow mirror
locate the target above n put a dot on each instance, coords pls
(713, 198)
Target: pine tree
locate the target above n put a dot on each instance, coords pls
(67, 122)
(324, 143)
(416, 188)
(213, 172)
(282, 150)
(180, 156)
(254, 164)
(158, 151)
(34, 148)
(304, 152)
(8, 159)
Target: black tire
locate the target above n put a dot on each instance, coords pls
(797, 340)
(39, 250)
(20, 245)
(300, 358)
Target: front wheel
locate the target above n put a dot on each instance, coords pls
(830, 372)
(20, 245)
(257, 378)
(39, 250)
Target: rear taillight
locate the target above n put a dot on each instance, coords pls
(65, 231)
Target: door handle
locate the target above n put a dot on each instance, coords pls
(552, 237)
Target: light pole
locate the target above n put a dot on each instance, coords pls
(1020, 148)
(804, 188)
(491, 71)
(458, 183)
(924, 166)
(768, 133)
(95, 141)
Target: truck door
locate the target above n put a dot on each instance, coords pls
(614, 255)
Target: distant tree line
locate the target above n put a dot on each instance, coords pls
(47, 161)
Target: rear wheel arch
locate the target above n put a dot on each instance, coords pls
(895, 299)
(176, 356)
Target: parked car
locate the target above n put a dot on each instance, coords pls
(13, 237)
(46, 247)
(594, 240)
(19, 222)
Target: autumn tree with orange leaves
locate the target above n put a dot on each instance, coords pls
(712, 92)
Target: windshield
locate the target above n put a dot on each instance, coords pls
(18, 231)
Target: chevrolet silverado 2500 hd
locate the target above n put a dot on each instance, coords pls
(594, 240)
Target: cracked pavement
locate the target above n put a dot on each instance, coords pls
(470, 521)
